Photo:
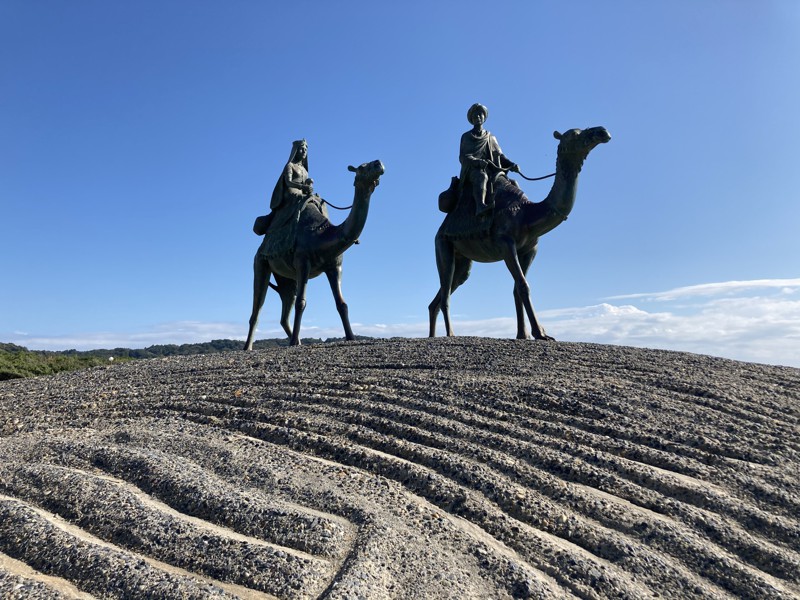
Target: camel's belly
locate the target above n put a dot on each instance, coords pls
(480, 250)
(285, 268)
(488, 250)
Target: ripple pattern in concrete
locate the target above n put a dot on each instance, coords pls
(447, 468)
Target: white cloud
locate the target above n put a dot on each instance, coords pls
(753, 328)
(786, 286)
(737, 323)
(756, 329)
(757, 321)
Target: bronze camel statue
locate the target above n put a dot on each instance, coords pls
(318, 248)
(513, 236)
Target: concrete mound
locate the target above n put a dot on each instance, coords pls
(444, 468)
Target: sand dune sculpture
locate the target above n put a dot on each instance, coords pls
(426, 468)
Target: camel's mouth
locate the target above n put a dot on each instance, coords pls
(376, 168)
(373, 171)
(598, 135)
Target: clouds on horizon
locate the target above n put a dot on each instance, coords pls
(716, 289)
(755, 321)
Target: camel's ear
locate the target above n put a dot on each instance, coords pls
(351, 168)
(556, 135)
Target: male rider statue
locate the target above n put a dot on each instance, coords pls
(480, 151)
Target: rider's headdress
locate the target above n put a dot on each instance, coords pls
(475, 109)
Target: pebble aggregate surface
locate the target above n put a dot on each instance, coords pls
(404, 468)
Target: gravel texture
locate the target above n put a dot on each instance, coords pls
(444, 468)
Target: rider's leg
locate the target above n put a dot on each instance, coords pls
(480, 182)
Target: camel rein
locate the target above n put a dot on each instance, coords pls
(536, 178)
(490, 164)
(337, 207)
(494, 166)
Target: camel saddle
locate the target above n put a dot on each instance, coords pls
(280, 227)
(461, 220)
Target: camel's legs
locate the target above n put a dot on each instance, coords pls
(525, 261)
(522, 324)
(433, 312)
(287, 288)
(522, 290)
(302, 270)
(261, 275)
(445, 263)
(461, 271)
(334, 275)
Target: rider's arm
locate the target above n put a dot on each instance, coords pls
(508, 164)
(304, 186)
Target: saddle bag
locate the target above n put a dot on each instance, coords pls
(262, 224)
(449, 197)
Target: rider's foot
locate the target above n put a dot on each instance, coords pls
(483, 209)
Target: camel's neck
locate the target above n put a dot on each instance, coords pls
(561, 199)
(349, 230)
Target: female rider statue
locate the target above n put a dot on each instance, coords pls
(293, 186)
(292, 191)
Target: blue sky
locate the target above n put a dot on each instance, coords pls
(139, 140)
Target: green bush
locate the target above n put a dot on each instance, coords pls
(21, 362)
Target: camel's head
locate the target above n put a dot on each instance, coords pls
(581, 141)
(368, 175)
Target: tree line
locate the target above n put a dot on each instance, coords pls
(17, 361)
